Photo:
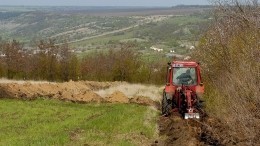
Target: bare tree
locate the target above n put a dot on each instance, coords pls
(14, 58)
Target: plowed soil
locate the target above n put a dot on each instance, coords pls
(82, 91)
(175, 131)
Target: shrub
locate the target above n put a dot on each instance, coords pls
(229, 53)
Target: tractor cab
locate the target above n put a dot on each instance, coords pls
(184, 88)
(184, 73)
(184, 76)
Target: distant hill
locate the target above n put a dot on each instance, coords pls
(70, 24)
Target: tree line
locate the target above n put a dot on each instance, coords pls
(58, 63)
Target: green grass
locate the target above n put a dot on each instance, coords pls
(186, 20)
(52, 122)
(103, 39)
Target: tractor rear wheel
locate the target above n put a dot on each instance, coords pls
(166, 105)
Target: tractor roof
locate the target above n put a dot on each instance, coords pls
(184, 63)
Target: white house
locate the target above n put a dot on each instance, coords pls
(156, 49)
(192, 47)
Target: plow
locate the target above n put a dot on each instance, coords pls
(183, 90)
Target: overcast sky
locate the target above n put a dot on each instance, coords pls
(103, 2)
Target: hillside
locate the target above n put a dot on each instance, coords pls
(85, 27)
(27, 26)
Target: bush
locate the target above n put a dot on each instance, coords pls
(229, 53)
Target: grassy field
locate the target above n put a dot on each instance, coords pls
(103, 39)
(53, 122)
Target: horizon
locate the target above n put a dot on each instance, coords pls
(100, 6)
(107, 3)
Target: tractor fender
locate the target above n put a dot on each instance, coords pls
(200, 92)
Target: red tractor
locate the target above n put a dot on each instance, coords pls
(183, 90)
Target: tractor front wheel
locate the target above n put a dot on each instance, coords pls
(166, 105)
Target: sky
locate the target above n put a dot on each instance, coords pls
(167, 3)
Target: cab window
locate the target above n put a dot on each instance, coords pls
(184, 76)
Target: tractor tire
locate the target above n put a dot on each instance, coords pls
(166, 106)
